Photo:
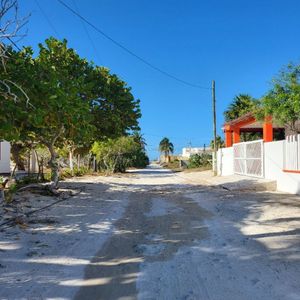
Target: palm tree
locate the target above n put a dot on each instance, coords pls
(139, 138)
(166, 147)
(219, 143)
(241, 104)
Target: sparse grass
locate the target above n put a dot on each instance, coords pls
(200, 169)
(173, 165)
(175, 168)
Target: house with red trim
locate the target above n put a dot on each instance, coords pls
(248, 124)
(274, 155)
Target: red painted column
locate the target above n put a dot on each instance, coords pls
(268, 129)
(228, 138)
(236, 135)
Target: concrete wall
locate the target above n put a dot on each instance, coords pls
(225, 161)
(274, 164)
(4, 157)
(187, 152)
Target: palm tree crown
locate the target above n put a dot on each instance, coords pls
(166, 147)
(241, 104)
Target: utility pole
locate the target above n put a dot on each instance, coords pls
(214, 127)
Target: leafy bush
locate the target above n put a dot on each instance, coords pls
(67, 172)
(13, 188)
(115, 155)
(140, 159)
(81, 171)
(200, 160)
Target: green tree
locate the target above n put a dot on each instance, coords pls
(115, 155)
(15, 83)
(61, 113)
(72, 102)
(140, 158)
(115, 110)
(283, 100)
(200, 160)
(18, 74)
(219, 143)
(241, 104)
(166, 147)
(57, 112)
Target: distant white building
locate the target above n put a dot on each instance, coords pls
(187, 152)
(4, 157)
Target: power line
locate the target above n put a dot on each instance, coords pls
(129, 51)
(88, 35)
(14, 43)
(47, 19)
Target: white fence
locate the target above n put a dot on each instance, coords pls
(280, 161)
(4, 157)
(249, 158)
(292, 153)
(225, 161)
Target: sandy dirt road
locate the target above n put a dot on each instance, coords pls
(154, 234)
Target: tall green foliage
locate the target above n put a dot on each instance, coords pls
(114, 108)
(16, 79)
(72, 102)
(200, 160)
(241, 104)
(283, 100)
(166, 147)
(219, 143)
(115, 155)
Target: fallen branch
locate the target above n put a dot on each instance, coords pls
(39, 186)
(17, 218)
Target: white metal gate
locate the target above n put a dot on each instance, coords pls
(292, 153)
(248, 158)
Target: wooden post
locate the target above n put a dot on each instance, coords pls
(214, 127)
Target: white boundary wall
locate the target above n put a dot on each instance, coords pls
(225, 161)
(274, 165)
(4, 157)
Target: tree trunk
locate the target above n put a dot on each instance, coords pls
(54, 165)
(28, 163)
(16, 149)
(167, 157)
(94, 164)
(42, 169)
(78, 161)
(38, 164)
(71, 162)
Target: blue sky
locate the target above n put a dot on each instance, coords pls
(240, 44)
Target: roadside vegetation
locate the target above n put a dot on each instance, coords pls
(166, 148)
(200, 161)
(197, 162)
(282, 102)
(74, 107)
(116, 155)
(67, 111)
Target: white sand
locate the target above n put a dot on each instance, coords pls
(251, 251)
